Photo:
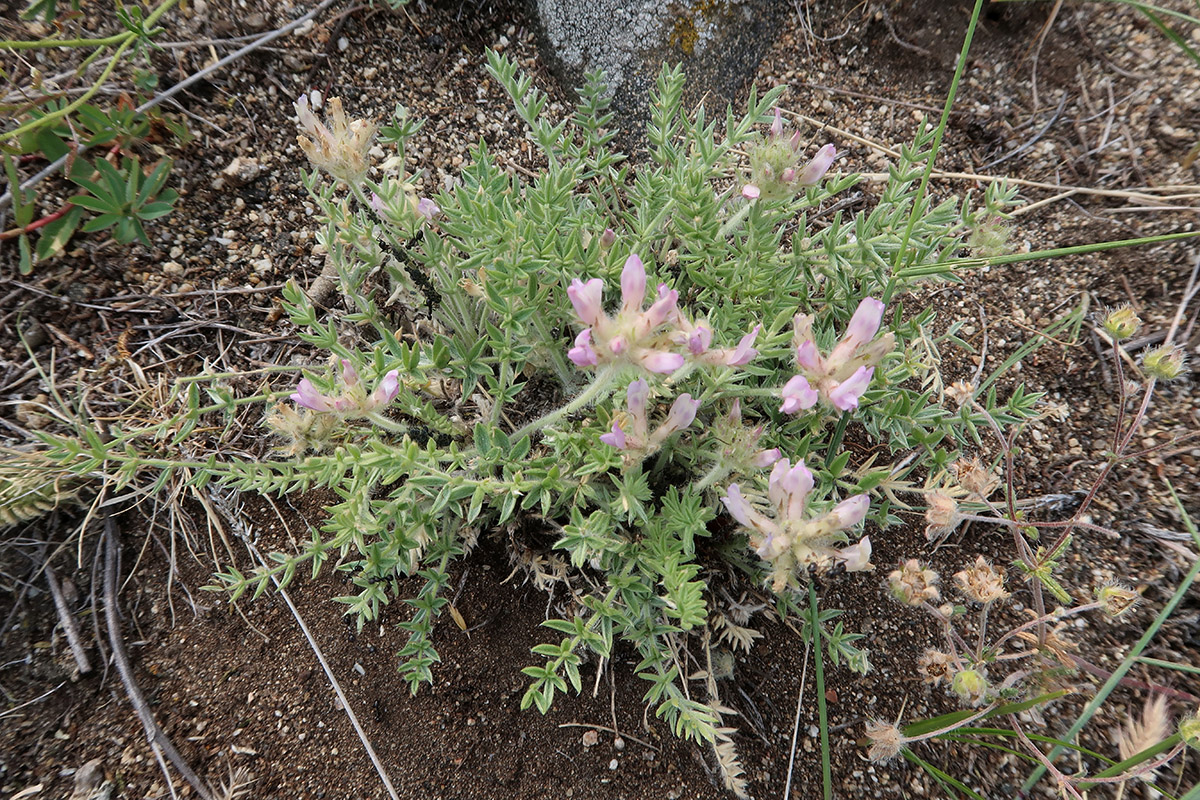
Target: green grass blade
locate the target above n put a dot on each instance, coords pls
(941, 777)
(819, 673)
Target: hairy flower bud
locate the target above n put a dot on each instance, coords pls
(1122, 323)
(1165, 362)
(971, 686)
(1116, 599)
(886, 741)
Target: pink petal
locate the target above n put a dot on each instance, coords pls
(586, 298)
(582, 353)
(745, 351)
(349, 376)
(809, 358)
(852, 510)
(427, 208)
(820, 164)
(738, 508)
(616, 438)
(661, 363)
(845, 396)
(857, 557)
(683, 412)
(777, 124)
(798, 395)
(662, 310)
(307, 396)
(765, 458)
(865, 322)
(387, 389)
(633, 285)
(699, 340)
(636, 396)
(751, 192)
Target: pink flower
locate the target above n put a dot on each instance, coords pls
(857, 557)
(659, 362)
(427, 208)
(582, 353)
(798, 395)
(844, 375)
(616, 438)
(777, 124)
(683, 412)
(751, 192)
(765, 458)
(816, 169)
(844, 396)
(794, 538)
(586, 298)
(307, 396)
(353, 401)
(633, 285)
(744, 352)
(386, 391)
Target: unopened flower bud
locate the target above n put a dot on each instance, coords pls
(1189, 730)
(971, 686)
(1164, 362)
(1122, 323)
(1116, 599)
(608, 238)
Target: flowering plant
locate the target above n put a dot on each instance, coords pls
(516, 394)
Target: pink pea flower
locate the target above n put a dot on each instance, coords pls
(840, 378)
(798, 395)
(353, 400)
(795, 537)
(631, 431)
(816, 169)
(633, 335)
(427, 208)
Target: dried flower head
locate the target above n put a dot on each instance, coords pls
(1165, 362)
(941, 517)
(971, 685)
(886, 741)
(935, 667)
(960, 392)
(342, 151)
(1053, 641)
(982, 582)
(973, 476)
(912, 584)
(1122, 323)
(1116, 599)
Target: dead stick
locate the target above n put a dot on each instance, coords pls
(158, 740)
(68, 622)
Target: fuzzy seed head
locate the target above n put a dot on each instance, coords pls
(1165, 362)
(941, 517)
(1116, 599)
(982, 582)
(886, 741)
(1122, 323)
(960, 392)
(912, 584)
(973, 476)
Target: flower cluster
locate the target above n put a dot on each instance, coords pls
(354, 400)
(774, 165)
(649, 338)
(841, 377)
(791, 538)
(342, 151)
(631, 431)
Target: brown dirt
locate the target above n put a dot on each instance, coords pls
(240, 688)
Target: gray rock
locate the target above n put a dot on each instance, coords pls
(718, 42)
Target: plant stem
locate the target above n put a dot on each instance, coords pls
(591, 394)
(902, 255)
(819, 675)
(1105, 690)
(733, 222)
